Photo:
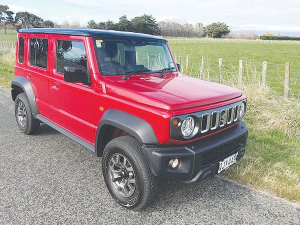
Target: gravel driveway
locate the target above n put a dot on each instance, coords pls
(49, 179)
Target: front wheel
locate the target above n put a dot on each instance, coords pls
(26, 122)
(127, 173)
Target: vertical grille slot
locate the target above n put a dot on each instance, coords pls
(230, 115)
(205, 122)
(236, 113)
(223, 117)
(215, 120)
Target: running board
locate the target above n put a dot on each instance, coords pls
(66, 133)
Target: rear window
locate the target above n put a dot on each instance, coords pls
(70, 53)
(21, 50)
(38, 52)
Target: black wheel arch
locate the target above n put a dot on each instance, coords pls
(133, 125)
(20, 84)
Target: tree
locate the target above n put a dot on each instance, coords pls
(6, 17)
(36, 21)
(199, 29)
(124, 24)
(23, 18)
(217, 30)
(146, 24)
(49, 23)
(174, 29)
(26, 20)
(92, 24)
(101, 25)
(110, 25)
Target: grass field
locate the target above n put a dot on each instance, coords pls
(253, 53)
(272, 161)
(7, 56)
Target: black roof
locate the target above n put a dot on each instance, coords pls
(87, 32)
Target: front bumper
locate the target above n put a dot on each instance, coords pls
(198, 160)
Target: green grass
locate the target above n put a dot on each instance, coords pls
(272, 160)
(11, 35)
(6, 73)
(253, 53)
(7, 57)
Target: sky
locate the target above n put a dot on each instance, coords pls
(255, 15)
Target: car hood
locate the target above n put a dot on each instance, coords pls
(175, 91)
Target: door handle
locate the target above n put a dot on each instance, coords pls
(55, 86)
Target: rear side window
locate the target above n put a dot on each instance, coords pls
(38, 52)
(70, 53)
(21, 50)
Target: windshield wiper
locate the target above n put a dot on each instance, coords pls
(165, 70)
(129, 73)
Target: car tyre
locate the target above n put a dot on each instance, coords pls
(127, 174)
(26, 122)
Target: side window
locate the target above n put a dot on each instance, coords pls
(70, 53)
(21, 50)
(38, 52)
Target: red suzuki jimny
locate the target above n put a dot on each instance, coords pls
(122, 96)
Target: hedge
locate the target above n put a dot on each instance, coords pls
(264, 37)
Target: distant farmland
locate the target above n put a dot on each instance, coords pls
(253, 53)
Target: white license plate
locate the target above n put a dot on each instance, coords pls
(226, 163)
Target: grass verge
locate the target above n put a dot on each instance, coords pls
(272, 159)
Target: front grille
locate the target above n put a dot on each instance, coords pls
(220, 152)
(209, 121)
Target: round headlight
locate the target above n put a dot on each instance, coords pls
(188, 126)
(242, 110)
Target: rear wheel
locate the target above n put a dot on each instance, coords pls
(127, 173)
(26, 122)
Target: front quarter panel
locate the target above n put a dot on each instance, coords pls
(157, 119)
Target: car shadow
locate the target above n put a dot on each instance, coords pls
(207, 194)
(46, 130)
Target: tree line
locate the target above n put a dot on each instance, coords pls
(140, 24)
(148, 25)
(9, 19)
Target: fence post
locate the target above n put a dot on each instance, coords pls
(287, 80)
(220, 70)
(240, 76)
(264, 73)
(187, 65)
(148, 60)
(202, 69)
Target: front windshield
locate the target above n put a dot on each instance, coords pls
(121, 56)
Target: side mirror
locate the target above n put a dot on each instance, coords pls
(178, 66)
(76, 74)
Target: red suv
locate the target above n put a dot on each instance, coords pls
(122, 96)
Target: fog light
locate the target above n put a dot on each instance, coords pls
(174, 163)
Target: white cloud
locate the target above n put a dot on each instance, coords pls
(235, 13)
(17, 8)
(238, 14)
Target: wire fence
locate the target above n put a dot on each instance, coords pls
(284, 80)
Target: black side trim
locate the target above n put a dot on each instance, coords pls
(133, 125)
(25, 85)
(66, 133)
